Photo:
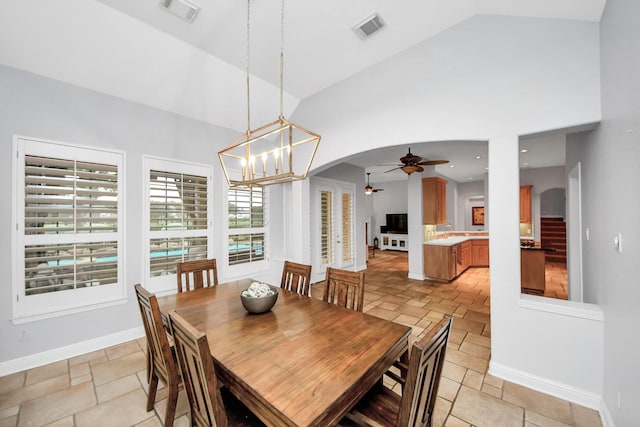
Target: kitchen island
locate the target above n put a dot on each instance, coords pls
(449, 255)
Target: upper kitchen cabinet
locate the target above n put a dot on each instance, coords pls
(434, 201)
(525, 204)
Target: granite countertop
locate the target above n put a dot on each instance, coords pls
(453, 240)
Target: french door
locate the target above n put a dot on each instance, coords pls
(334, 214)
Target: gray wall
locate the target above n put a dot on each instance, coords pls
(38, 107)
(611, 174)
(552, 203)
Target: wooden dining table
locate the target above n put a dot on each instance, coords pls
(304, 363)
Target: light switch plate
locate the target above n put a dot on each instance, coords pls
(617, 242)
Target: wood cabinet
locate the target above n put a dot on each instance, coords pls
(440, 262)
(480, 253)
(532, 271)
(434, 201)
(463, 256)
(525, 203)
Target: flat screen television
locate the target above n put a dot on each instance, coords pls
(397, 223)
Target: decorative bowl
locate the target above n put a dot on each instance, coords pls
(259, 304)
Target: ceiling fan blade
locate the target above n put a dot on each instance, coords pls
(420, 169)
(375, 190)
(390, 164)
(433, 162)
(390, 170)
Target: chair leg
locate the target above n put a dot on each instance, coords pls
(153, 387)
(172, 401)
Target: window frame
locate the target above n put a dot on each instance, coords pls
(253, 267)
(54, 304)
(167, 284)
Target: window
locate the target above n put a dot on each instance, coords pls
(347, 234)
(246, 225)
(177, 218)
(68, 233)
(326, 228)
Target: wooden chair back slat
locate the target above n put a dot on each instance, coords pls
(161, 363)
(296, 277)
(198, 373)
(197, 274)
(344, 288)
(423, 376)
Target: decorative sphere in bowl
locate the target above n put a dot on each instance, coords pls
(259, 297)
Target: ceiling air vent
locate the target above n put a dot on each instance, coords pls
(369, 26)
(181, 8)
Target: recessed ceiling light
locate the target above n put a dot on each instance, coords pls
(470, 178)
(525, 164)
(487, 168)
(451, 166)
(524, 150)
(478, 157)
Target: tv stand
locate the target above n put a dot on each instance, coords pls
(396, 242)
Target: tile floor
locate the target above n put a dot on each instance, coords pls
(108, 387)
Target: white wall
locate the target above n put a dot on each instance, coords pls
(392, 200)
(610, 165)
(487, 77)
(469, 194)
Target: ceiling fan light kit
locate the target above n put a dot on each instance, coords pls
(412, 163)
(279, 148)
(368, 190)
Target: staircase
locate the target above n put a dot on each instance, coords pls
(553, 234)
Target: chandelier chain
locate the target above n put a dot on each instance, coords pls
(247, 60)
(282, 60)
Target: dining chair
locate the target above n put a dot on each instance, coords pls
(344, 288)
(296, 277)
(161, 363)
(211, 405)
(383, 407)
(197, 274)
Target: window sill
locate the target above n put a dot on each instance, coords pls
(566, 308)
(18, 320)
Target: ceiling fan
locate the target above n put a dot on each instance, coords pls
(369, 189)
(412, 163)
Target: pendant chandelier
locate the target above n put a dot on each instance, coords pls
(272, 153)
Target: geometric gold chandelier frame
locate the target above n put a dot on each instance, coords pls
(270, 154)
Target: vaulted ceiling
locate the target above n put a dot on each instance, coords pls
(137, 51)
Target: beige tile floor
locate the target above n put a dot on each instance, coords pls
(108, 387)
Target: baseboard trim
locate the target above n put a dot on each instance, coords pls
(61, 353)
(544, 385)
(605, 415)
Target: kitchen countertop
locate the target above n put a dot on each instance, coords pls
(453, 240)
(526, 248)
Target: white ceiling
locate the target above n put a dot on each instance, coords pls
(320, 47)
(468, 160)
(136, 51)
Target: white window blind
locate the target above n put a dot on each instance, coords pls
(246, 223)
(69, 231)
(326, 227)
(177, 219)
(347, 222)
